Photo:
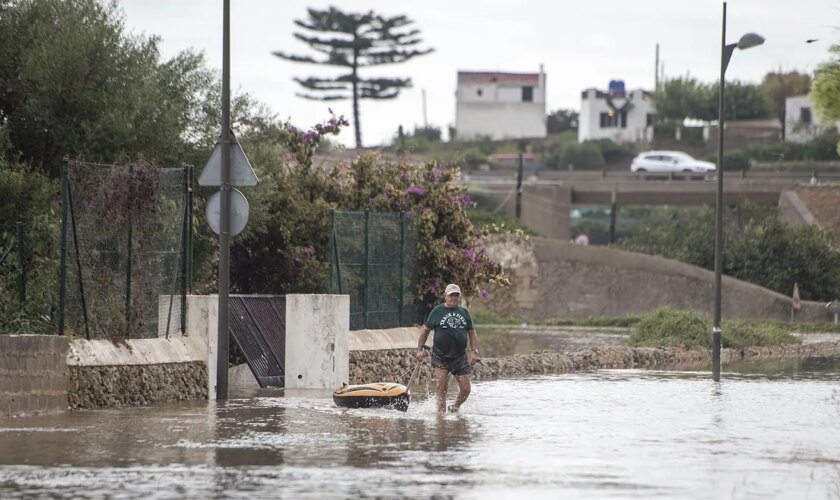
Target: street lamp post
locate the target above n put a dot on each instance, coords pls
(747, 41)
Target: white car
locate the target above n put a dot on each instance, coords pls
(669, 161)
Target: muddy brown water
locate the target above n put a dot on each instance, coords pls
(766, 430)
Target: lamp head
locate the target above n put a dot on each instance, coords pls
(750, 40)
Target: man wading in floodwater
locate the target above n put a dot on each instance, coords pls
(452, 325)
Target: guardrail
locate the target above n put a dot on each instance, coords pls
(552, 176)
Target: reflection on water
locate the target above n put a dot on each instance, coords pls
(767, 430)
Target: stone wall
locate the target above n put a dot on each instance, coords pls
(396, 365)
(33, 374)
(130, 385)
(135, 372)
(555, 279)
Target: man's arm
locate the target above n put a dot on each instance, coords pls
(473, 355)
(421, 342)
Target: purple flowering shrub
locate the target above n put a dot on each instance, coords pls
(288, 251)
(450, 245)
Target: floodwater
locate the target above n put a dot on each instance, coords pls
(768, 430)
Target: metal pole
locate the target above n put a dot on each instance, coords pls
(190, 230)
(79, 261)
(367, 270)
(21, 255)
(183, 251)
(402, 269)
(716, 332)
(62, 273)
(519, 187)
(129, 251)
(330, 251)
(223, 354)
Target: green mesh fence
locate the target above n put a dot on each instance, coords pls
(371, 258)
(124, 239)
(13, 265)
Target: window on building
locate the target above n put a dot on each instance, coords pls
(650, 119)
(612, 119)
(479, 92)
(527, 94)
(805, 116)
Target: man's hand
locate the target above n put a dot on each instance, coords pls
(473, 357)
(420, 354)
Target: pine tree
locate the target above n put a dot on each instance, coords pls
(354, 41)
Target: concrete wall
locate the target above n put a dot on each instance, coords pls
(552, 279)
(135, 372)
(203, 327)
(794, 213)
(317, 346)
(33, 374)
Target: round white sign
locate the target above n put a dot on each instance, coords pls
(239, 210)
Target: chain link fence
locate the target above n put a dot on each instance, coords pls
(372, 259)
(13, 264)
(125, 240)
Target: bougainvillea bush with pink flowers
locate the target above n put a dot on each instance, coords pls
(288, 251)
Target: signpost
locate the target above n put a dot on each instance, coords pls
(227, 210)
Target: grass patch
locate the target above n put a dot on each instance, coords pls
(611, 321)
(666, 327)
(483, 316)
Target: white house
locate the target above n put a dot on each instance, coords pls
(800, 123)
(500, 105)
(616, 114)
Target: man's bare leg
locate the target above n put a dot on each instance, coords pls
(463, 390)
(442, 378)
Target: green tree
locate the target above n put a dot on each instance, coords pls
(778, 86)
(825, 92)
(74, 83)
(680, 98)
(757, 248)
(353, 41)
(744, 101)
(562, 120)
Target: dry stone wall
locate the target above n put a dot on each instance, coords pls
(131, 385)
(396, 365)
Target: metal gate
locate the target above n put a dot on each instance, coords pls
(258, 326)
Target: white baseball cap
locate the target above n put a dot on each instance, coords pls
(452, 288)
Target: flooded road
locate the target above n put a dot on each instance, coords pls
(769, 430)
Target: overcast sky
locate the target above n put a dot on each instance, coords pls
(581, 44)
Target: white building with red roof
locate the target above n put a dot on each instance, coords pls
(500, 105)
(623, 116)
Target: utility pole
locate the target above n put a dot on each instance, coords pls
(222, 350)
(656, 70)
(425, 118)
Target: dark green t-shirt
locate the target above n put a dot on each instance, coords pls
(450, 327)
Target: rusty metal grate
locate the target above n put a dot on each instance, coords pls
(258, 326)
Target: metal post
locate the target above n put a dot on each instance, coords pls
(78, 261)
(183, 252)
(190, 230)
(330, 249)
(21, 255)
(613, 210)
(223, 354)
(367, 270)
(129, 252)
(519, 187)
(716, 332)
(62, 273)
(402, 269)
